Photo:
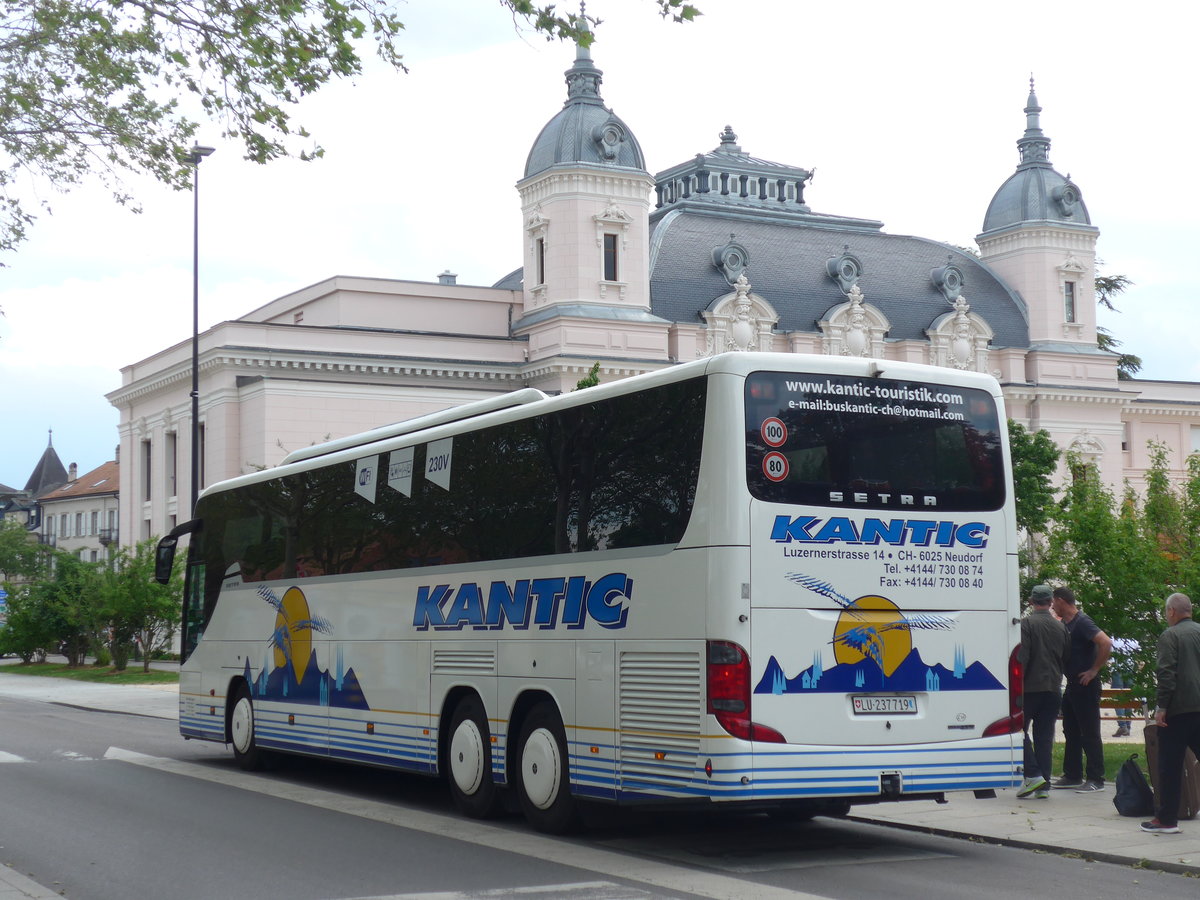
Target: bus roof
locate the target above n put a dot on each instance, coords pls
(420, 423)
(526, 401)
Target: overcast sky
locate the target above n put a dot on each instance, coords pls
(908, 112)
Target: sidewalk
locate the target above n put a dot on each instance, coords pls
(158, 700)
(1083, 824)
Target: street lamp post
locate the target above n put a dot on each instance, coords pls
(198, 153)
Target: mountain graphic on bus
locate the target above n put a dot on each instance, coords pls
(873, 650)
(340, 689)
(290, 670)
(913, 674)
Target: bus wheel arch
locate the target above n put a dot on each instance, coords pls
(541, 773)
(466, 756)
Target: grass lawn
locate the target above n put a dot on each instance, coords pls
(103, 674)
(1115, 753)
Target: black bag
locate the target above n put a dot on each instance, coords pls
(1134, 797)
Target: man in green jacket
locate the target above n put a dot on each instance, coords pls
(1045, 647)
(1178, 712)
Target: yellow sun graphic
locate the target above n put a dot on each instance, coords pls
(870, 627)
(293, 644)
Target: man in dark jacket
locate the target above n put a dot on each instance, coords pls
(1178, 712)
(1045, 646)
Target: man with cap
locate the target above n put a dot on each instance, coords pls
(1045, 647)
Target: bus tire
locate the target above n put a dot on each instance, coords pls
(241, 731)
(543, 774)
(469, 761)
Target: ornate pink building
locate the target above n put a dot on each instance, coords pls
(638, 272)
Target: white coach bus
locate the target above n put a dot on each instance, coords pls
(780, 580)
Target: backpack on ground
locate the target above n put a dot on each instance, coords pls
(1133, 797)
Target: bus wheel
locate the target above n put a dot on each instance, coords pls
(241, 731)
(470, 761)
(543, 782)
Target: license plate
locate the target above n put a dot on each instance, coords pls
(895, 704)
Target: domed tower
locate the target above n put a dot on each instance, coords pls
(1038, 236)
(585, 203)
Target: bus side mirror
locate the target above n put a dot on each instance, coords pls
(164, 559)
(164, 553)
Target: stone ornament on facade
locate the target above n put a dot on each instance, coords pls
(845, 269)
(739, 321)
(1067, 198)
(1087, 447)
(609, 136)
(949, 280)
(613, 220)
(854, 328)
(959, 339)
(732, 259)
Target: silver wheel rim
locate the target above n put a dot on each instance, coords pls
(466, 757)
(541, 768)
(241, 724)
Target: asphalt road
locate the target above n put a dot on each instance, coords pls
(109, 806)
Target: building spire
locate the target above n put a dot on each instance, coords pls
(583, 78)
(1034, 146)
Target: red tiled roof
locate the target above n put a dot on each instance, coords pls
(102, 480)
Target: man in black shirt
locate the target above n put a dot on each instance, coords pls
(1090, 649)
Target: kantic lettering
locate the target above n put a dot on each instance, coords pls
(897, 532)
(543, 603)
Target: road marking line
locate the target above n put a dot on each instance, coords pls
(11, 757)
(581, 890)
(608, 863)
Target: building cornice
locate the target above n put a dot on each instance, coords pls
(1186, 408)
(364, 366)
(578, 366)
(1028, 392)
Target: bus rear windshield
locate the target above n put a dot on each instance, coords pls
(872, 442)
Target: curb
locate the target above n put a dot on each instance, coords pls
(1148, 865)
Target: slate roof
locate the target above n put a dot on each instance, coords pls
(49, 472)
(787, 268)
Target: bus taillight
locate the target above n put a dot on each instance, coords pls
(729, 693)
(1014, 722)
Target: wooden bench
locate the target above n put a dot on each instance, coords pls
(1120, 698)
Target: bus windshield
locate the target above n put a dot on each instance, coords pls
(877, 442)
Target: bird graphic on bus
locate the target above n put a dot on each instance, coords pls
(294, 625)
(873, 649)
(290, 670)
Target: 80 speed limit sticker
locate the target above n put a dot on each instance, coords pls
(775, 466)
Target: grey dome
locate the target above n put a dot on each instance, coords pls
(584, 131)
(1035, 192)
